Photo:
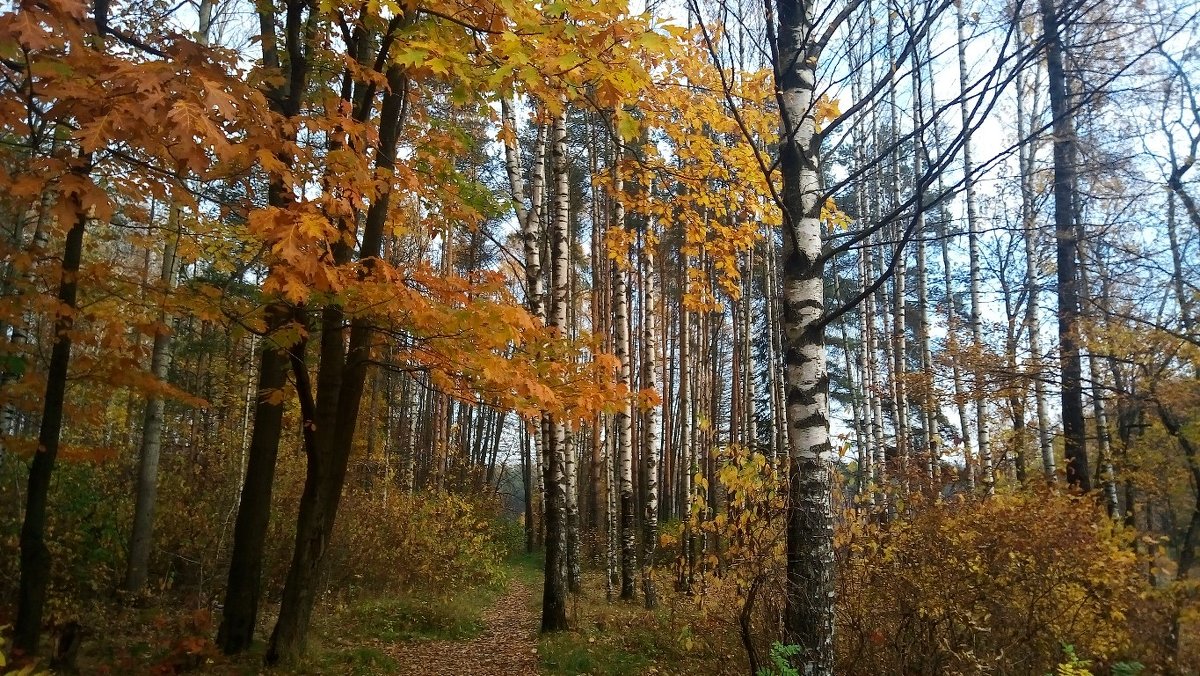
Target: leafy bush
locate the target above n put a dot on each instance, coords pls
(992, 586)
(85, 535)
(429, 541)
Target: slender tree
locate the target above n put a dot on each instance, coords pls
(1074, 430)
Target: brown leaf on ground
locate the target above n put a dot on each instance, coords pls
(507, 646)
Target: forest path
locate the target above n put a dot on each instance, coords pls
(507, 646)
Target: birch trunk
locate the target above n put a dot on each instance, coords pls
(687, 463)
(10, 418)
(596, 499)
(624, 433)
(980, 395)
(899, 340)
(554, 610)
(1033, 286)
(809, 620)
(570, 448)
(871, 383)
(160, 360)
(652, 449)
(611, 577)
(960, 396)
(855, 386)
(929, 404)
(899, 335)
(773, 381)
(527, 480)
(530, 221)
(147, 481)
(1100, 419)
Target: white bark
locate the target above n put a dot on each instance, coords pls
(686, 457)
(874, 412)
(611, 581)
(570, 467)
(40, 214)
(1033, 285)
(809, 619)
(960, 395)
(929, 406)
(1100, 416)
(653, 420)
(555, 430)
(981, 414)
(899, 335)
(146, 492)
(624, 419)
(561, 284)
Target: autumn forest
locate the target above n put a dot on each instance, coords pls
(769, 337)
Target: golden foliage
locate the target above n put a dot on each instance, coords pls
(427, 541)
(992, 586)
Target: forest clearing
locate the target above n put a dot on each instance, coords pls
(769, 337)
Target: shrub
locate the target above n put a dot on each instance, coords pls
(993, 586)
(430, 541)
(84, 533)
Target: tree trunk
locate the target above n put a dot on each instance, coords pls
(1074, 430)
(980, 381)
(554, 608)
(527, 482)
(341, 380)
(899, 334)
(1033, 288)
(687, 465)
(624, 437)
(35, 556)
(1104, 461)
(960, 401)
(653, 420)
(929, 403)
(147, 481)
(1191, 536)
(242, 591)
(570, 447)
(874, 404)
(809, 620)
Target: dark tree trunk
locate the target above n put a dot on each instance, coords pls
(340, 384)
(243, 590)
(527, 481)
(1074, 430)
(35, 557)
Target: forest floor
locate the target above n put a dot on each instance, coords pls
(606, 639)
(506, 645)
(488, 630)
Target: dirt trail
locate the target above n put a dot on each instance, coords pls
(504, 648)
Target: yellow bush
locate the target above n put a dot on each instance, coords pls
(995, 586)
(429, 541)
